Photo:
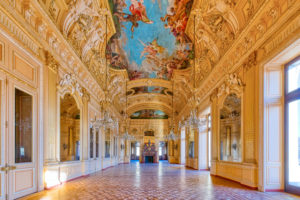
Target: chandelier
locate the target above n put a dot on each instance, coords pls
(106, 121)
(193, 120)
(126, 135)
(172, 135)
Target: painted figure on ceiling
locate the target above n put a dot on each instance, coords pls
(138, 13)
(159, 46)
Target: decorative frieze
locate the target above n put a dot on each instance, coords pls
(18, 32)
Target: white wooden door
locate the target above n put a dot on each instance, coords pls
(21, 140)
(3, 130)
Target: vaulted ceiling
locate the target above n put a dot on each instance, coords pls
(153, 45)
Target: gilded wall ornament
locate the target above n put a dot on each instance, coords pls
(232, 82)
(70, 80)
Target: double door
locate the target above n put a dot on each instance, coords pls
(18, 146)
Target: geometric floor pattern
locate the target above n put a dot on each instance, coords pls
(154, 181)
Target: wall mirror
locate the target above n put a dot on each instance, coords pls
(107, 143)
(69, 129)
(230, 129)
(191, 143)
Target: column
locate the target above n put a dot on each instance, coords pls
(51, 152)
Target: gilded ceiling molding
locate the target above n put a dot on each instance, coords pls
(41, 27)
(18, 32)
(51, 62)
(149, 82)
(250, 61)
(33, 16)
(251, 38)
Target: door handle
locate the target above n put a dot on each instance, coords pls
(6, 168)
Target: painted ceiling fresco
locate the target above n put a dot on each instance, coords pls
(149, 114)
(147, 89)
(150, 41)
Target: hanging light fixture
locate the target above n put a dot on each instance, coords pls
(126, 135)
(193, 119)
(172, 135)
(107, 121)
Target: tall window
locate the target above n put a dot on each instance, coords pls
(23, 127)
(292, 124)
(137, 149)
(160, 151)
(209, 140)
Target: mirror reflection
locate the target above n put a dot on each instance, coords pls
(107, 143)
(230, 129)
(191, 143)
(69, 129)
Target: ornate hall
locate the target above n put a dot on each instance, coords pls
(150, 99)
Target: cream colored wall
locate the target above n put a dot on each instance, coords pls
(19, 69)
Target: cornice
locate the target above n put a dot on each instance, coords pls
(257, 31)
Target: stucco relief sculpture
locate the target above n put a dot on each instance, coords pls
(70, 80)
(232, 82)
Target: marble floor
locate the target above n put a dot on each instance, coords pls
(154, 181)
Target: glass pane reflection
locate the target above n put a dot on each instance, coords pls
(294, 142)
(23, 127)
(294, 76)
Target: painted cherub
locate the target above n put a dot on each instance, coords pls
(138, 13)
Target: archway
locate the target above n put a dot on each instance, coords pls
(69, 129)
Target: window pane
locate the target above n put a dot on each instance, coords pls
(97, 144)
(294, 76)
(137, 151)
(160, 151)
(91, 143)
(294, 142)
(23, 127)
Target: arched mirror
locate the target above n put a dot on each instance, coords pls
(230, 129)
(107, 143)
(69, 129)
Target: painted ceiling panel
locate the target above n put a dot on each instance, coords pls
(150, 41)
(148, 89)
(149, 114)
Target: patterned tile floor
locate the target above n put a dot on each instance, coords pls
(154, 181)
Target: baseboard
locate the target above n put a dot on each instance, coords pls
(247, 186)
(274, 190)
